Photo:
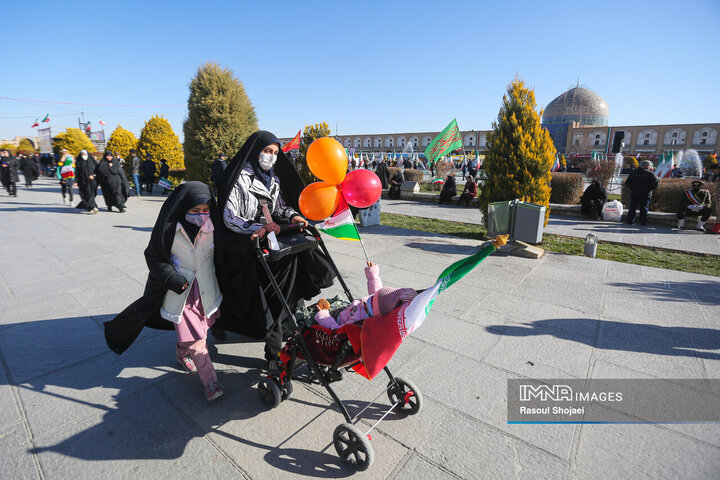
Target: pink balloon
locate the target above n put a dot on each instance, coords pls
(361, 188)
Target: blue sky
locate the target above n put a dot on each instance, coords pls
(363, 67)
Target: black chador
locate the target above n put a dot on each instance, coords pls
(122, 331)
(113, 182)
(250, 306)
(84, 170)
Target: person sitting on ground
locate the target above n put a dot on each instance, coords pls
(593, 199)
(449, 189)
(395, 183)
(469, 192)
(695, 203)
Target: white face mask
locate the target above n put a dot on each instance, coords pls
(267, 161)
(83, 156)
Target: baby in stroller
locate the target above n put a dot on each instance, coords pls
(379, 301)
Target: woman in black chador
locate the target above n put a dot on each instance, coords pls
(449, 189)
(259, 190)
(87, 182)
(114, 184)
(382, 172)
(395, 183)
(122, 331)
(592, 200)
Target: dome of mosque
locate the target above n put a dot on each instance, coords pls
(577, 105)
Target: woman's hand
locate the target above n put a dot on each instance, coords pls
(299, 219)
(261, 232)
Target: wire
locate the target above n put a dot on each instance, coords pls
(88, 104)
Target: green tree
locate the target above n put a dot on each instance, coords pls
(158, 139)
(310, 134)
(220, 119)
(26, 146)
(520, 153)
(121, 141)
(73, 140)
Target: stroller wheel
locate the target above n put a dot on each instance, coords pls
(287, 390)
(269, 392)
(353, 447)
(407, 394)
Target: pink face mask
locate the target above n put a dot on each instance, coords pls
(354, 313)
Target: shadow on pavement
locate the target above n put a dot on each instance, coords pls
(705, 292)
(139, 229)
(137, 406)
(630, 337)
(58, 209)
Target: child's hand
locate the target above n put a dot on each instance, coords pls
(323, 304)
(370, 264)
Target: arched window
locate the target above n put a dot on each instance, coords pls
(676, 136)
(647, 137)
(346, 142)
(705, 136)
(426, 141)
(469, 141)
(357, 142)
(389, 142)
(597, 138)
(414, 141)
(482, 141)
(401, 142)
(378, 142)
(367, 142)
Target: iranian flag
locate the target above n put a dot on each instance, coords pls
(46, 119)
(341, 225)
(664, 169)
(555, 165)
(448, 141)
(381, 336)
(293, 144)
(102, 122)
(36, 124)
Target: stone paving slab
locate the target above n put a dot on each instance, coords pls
(70, 408)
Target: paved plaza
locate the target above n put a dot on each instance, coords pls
(72, 409)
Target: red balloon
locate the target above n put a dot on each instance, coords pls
(361, 188)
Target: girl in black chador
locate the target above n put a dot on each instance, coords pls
(258, 191)
(85, 167)
(113, 182)
(182, 289)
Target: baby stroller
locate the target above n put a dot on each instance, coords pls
(328, 355)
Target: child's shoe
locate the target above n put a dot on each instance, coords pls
(187, 363)
(213, 390)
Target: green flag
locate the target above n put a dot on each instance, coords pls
(447, 141)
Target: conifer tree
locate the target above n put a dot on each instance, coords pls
(26, 146)
(310, 134)
(220, 119)
(73, 140)
(158, 139)
(520, 153)
(121, 141)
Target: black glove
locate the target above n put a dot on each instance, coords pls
(177, 283)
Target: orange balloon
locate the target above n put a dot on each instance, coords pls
(328, 160)
(319, 200)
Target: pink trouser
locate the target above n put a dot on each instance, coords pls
(198, 352)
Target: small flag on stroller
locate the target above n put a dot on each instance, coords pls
(165, 183)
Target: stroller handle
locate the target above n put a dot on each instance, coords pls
(289, 228)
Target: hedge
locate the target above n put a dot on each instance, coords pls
(667, 197)
(413, 175)
(566, 188)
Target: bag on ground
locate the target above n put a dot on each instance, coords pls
(612, 211)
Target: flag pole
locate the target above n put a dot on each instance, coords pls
(367, 258)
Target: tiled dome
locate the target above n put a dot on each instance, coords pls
(577, 105)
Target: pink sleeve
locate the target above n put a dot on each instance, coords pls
(373, 278)
(324, 319)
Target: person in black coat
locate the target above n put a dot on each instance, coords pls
(148, 173)
(382, 172)
(641, 182)
(449, 189)
(9, 172)
(113, 182)
(85, 167)
(30, 169)
(395, 183)
(216, 170)
(164, 173)
(593, 199)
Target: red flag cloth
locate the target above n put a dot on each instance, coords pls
(293, 144)
(36, 124)
(101, 122)
(380, 338)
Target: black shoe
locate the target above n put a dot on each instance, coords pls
(218, 333)
(109, 209)
(122, 210)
